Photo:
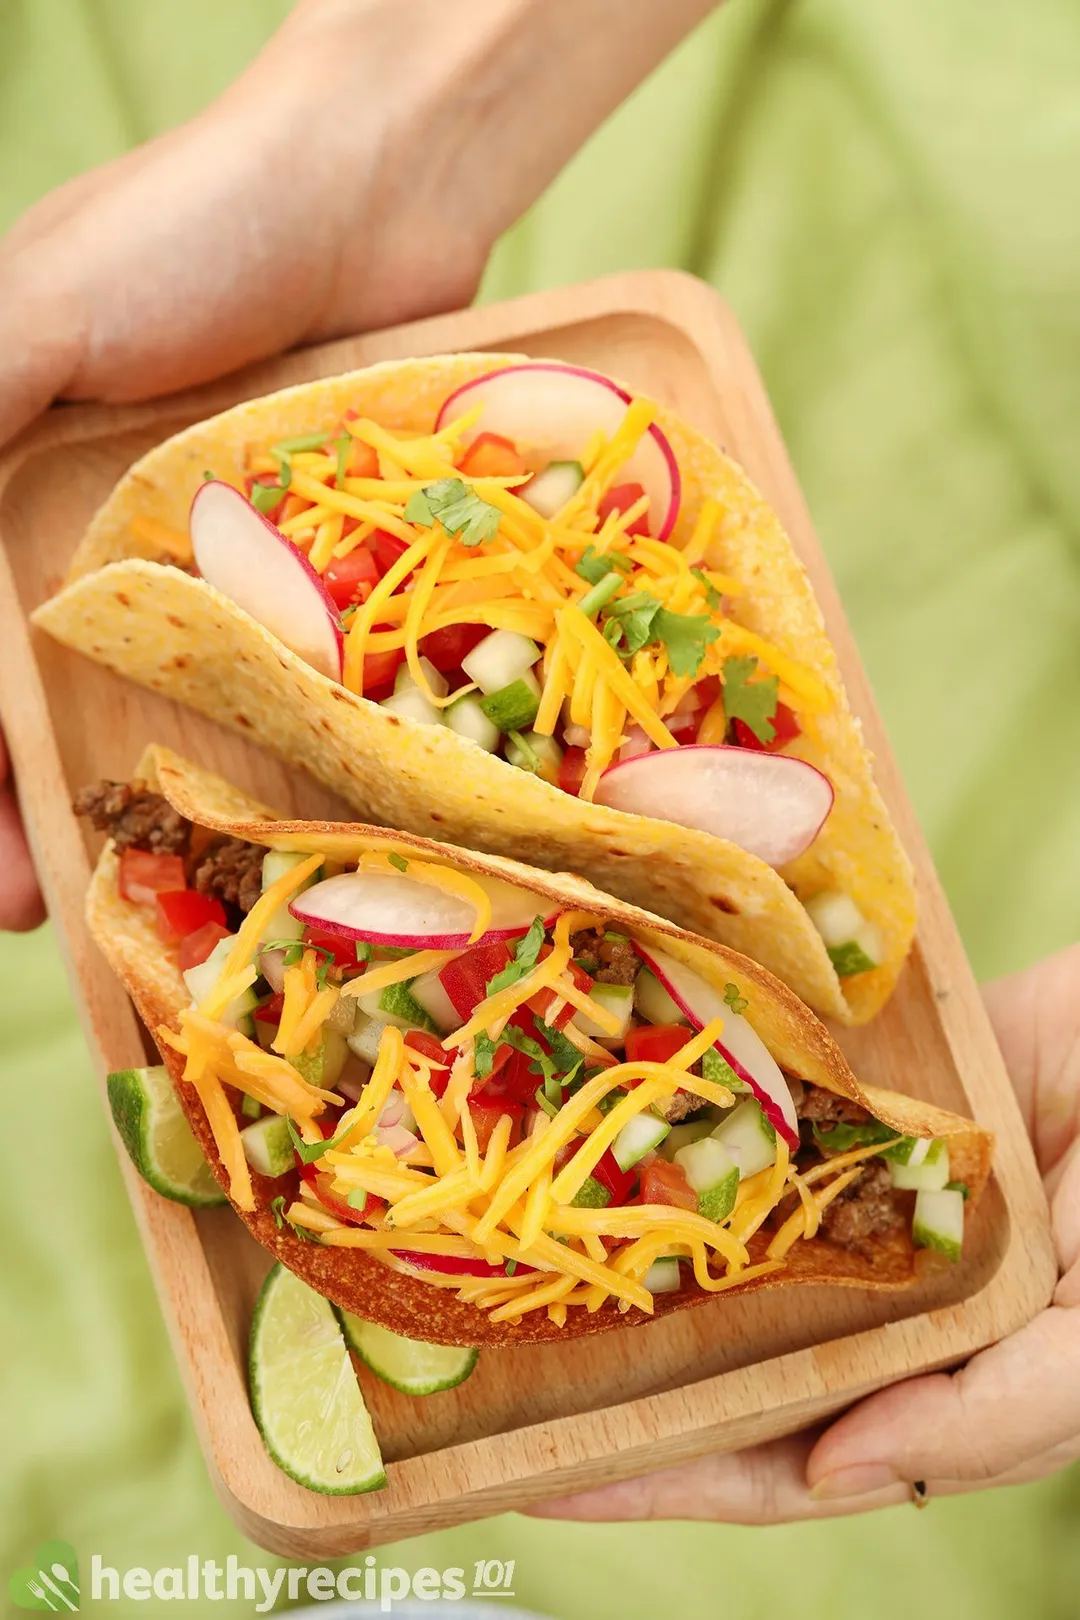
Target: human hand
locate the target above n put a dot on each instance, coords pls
(357, 175)
(1011, 1415)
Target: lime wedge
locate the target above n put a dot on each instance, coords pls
(147, 1113)
(304, 1392)
(410, 1365)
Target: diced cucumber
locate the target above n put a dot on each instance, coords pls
(653, 1002)
(276, 862)
(550, 490)
(854, 945)
(267, 1146)
(715, 1067)
(428, 993)
(713, 1174)
(201, 980)
(718, 1202)
(500, 659)
(404, 682)
(617, 999)
(249, 1107)
(395, 1005)
(690, 1130)
(366, 1036)
(323, 1066)
(931, 1175)
(592, 1194)
(530, 751)
(910, 1150)
(638, 1137)
(939, 1220)
(414, 706)
(748, 1137)
(514, 707)
(663, 1276)
(468, 719)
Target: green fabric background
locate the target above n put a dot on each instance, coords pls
(887, 195)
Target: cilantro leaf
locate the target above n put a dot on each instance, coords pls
(308, 1152)
(510, 1267)
(277, 1210)
(526, 956)
(564, 1051)
(363, 950)
(484, 1049)
(458, 508)
(841, 1138)
(686, 636)
(752, 702)
(738, 1003)
(635, 615)
(712, 595)
(592, 565)
(264, 497)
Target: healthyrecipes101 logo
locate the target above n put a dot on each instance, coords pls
(52, 1582)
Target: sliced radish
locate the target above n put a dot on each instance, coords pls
(398, 1138)
(739, 1042)
(636, 744)
(391, 908)
(771, 805)
(455, 1265)
(552, 411)
(242, 554)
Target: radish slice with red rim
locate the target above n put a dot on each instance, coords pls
(739, 1042)
(551, 411)
(771, 805)
(455, 1265)
(241, 554)
(391, 908)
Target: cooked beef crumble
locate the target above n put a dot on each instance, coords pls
(826, 1109)
(134, 817)
(677, 1107)
(616, 960)
(231, 870)
(863, 1211)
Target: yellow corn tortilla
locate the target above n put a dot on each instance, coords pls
(175, 634)
(399, 1300)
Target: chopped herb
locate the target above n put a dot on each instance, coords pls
(302, 441)
(543, 1101)
(526, 956)
(308, 1152)
(752, 702)
(529, 759)
(399, 861)
(613, 934)
(510, 1267)
(715, 1067)
(484, 1049)
(458, 508)
(593, 565)
(342, 446)
(357, 1198)
(207, 476)
(277, 1210)
(634, 616)
(686, 637)
(712, 595)
(363, 950)
(960, 1187)
(564, 1051)
(607, 1103)
(264, 497)
(842, 1138)
(541, 1062)
(601, 594)
(396, 953)
(850, 958)
(738, 1003)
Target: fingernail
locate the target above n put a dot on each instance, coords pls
(858, 1481)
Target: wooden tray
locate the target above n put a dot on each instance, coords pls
(535, 1421)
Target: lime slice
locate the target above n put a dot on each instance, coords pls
(410, 1365)
(147, 1113)
(304, 1392)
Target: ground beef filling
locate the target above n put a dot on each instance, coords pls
(870, 1207)
(134, 818)
(231, 870)
(608, 958)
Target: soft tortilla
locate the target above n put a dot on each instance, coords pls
(177, 635)
(401, 1302)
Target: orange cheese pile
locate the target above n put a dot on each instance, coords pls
(524, 580)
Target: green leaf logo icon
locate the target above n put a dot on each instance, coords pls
(51, 1583)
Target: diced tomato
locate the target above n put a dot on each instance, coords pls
(196, 947)
(465, 979)
(387, 548)
(665, 1183)
(323, 1183)
(185, 911)
(543, 999)
(787, 729)
(380, 669)
(620, 499)
(270, 1011)
(446, 648)
(655, 1043)
(572, 769)
(491, 456)
(487, 1108)
(350, 579)
(707, 690)
(144, 875)
(430, 1047)
(618, 1182)
(342, 952)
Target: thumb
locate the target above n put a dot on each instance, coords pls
(1013, 1413)
(41, 336)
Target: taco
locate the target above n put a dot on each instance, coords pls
(512, 605)
(480, 1104)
